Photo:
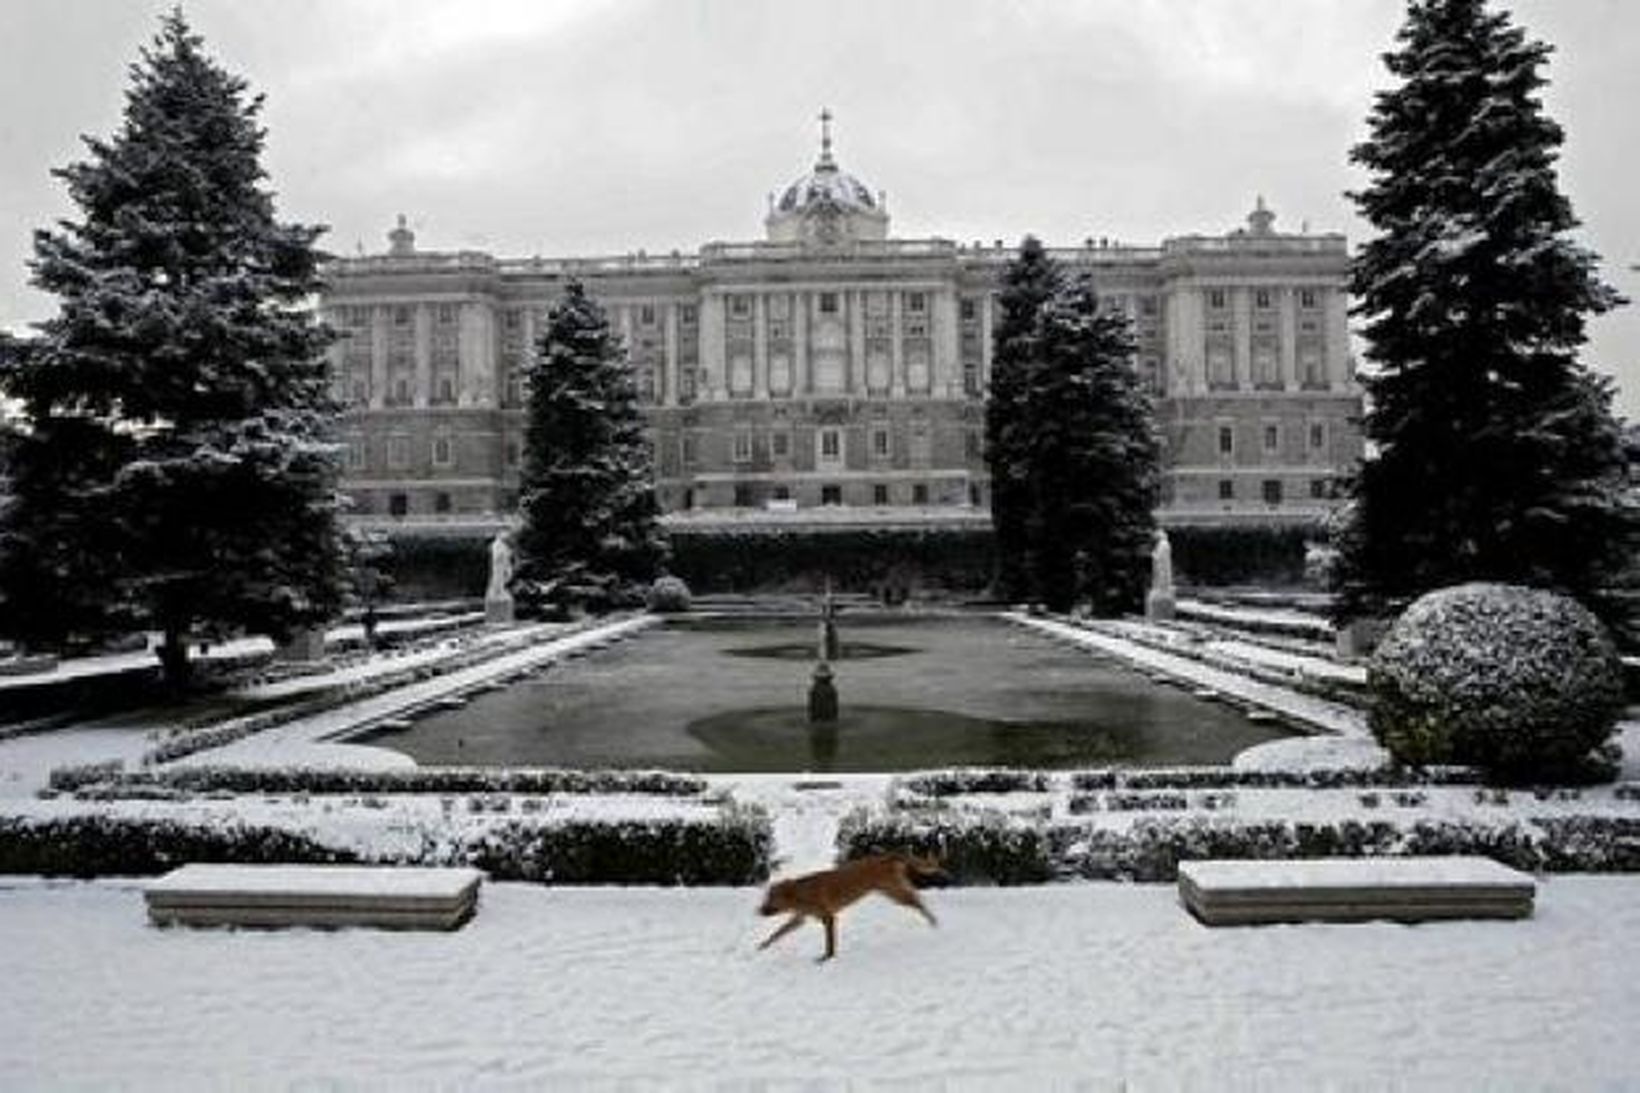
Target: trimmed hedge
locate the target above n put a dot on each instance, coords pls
(763, 558)
(957, 782)
(963, 781)
(95, 846)
(732, 848)
(986, 848)
(1208, 555)
(322, 780)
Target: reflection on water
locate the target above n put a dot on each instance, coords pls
(967, 690)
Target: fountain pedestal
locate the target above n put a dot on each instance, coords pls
(822, 695)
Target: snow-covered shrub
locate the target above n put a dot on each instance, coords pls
(956, 782)
(977, 849)
(105, 845)
(1520, 682)
(668, 595)
(441, 780)
(732, 848)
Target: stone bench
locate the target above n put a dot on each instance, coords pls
(327, 896)
(1236, 893)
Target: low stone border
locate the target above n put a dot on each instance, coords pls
(106, 781)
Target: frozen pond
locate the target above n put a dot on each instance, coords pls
(730, 695)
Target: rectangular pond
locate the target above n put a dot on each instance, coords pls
(730, 695)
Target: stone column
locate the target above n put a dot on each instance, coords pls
(802, 381)
(1241, 301)
(380, 317)
(854, 379)
(669, 394)
(896, 349)
(760, 346)
(712, 362)
(1288, 328)
(1337, 331)
(985, 340)
(422, 384)
(947, 363)
(476, 360)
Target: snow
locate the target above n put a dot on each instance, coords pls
(1351, 873)
(1096, 986)
(327, 880)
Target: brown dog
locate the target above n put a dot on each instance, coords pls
(823, 895)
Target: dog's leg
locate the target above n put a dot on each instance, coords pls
(907, 897)
(830, 922)
(782, 930)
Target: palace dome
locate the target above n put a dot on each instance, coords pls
(828, 205)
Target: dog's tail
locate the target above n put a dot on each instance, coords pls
(924, 865)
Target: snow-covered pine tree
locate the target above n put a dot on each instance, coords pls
(590, 535)
(1497, 456)
(172, 469)
(1028, 283)
(1093, 457)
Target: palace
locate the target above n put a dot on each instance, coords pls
(832, 372)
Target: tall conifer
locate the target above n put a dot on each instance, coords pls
(1497, 456)
(590, 535)
(172, 469)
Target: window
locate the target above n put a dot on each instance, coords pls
(919, 493)
(1272, 491)
(879, 442)
(831, 444)
(970, 379)
(511, 319)
(782, 493)
(969, 311)
(781, 445)
(446, 314)
(646, 315)
(1147, 305)
(743, 447)
(1215, 298)
(971, 444)
(691, 449)
(1227, 440)
(1272, 437)
(1318, 435)
(1227, 490)
(512, 452)
(740, 306)
(916, 302)
(441, 502)
(1306, 297)
(446, 389)
(686, 314)
(1261, 298)
(916, 328)
(401, 316)
(1318, 489)
(401, 392)
(355, 455)
(828, 303)
(398, 504)
(398, 452)
(441, 451)
(688, 499)
(879, 494)
(831, 495)
(743, 495)
(361, 392)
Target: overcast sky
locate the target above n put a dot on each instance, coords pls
(526, 126)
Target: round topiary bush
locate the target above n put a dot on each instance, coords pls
(1522, 683)
(668, 595)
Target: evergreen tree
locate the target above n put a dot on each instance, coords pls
(172, 469)
(1093, 457)
(1028, 283)
(1497, 454)
(590, 535)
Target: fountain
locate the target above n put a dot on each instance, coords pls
(822, 691)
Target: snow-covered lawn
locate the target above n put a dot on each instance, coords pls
(1093, 986)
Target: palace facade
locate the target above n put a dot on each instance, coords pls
(832, 372)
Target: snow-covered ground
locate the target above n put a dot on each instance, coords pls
(1095, 986)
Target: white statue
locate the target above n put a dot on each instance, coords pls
(1159, 603)
(1161, 564)
(501, 567)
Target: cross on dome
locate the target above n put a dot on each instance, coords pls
(825, 139)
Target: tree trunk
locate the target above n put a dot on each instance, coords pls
(173, 658)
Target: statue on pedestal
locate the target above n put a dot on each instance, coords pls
(1159, 602)
(498, 601)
